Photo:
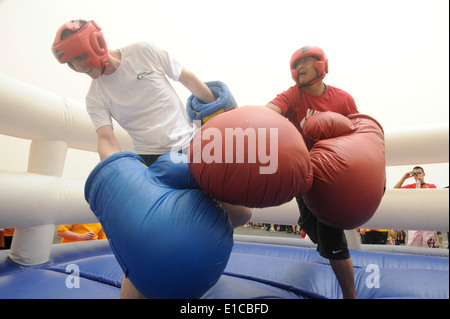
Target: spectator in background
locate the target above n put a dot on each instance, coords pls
(419, 176)
(2, 239)
(80, 232)
(400, 239)
(392, 237)
(418, 238)
(6, 238)
(374, 236)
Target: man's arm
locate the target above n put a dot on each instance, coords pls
(274, 108)
(196, 87)
(107, 142)
(70, 235)
(239, 215)
(402, 180)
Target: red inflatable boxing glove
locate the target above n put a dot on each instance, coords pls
(348, 160)
(250, 156)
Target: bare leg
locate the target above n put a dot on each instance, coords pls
(343, 269)
(128, 291)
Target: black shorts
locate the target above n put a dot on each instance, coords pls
(331, 242)
(149, 159)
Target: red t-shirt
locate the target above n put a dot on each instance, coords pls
(297, 105)
(414, 186)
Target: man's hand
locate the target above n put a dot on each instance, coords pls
(87, 236)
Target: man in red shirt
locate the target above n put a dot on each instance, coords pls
(419, 176)
(309, 96)
(418, 238)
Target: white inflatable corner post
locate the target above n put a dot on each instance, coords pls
(34, 202)
(32, 245)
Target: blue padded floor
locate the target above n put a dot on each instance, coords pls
(254, 271)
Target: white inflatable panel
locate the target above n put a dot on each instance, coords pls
(31, 113)
(418, 144)
(31, 200)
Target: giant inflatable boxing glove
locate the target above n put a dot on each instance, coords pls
(250, 156)
(348, 160)
(170, 239)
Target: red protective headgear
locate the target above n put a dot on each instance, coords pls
(87, 40)
(321, 66)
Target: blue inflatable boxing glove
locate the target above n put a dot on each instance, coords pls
(199, 111)
(169, 237)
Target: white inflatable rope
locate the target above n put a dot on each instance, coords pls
(424, 209)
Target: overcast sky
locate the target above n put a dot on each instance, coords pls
(391, 56)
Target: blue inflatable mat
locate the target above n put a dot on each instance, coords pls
(302, 271)
(99, 274)
(254, 271)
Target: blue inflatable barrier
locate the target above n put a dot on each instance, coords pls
(170, 239)
(199, 111)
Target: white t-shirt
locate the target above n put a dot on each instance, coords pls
(140, 98)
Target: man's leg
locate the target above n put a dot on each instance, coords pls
(343, 269)
(332, 245)
(128, 291)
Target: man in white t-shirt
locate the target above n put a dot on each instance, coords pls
(131, 86)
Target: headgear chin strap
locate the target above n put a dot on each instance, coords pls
(321, 66)
(86, 40)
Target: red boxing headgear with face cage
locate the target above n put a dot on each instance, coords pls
(86, 40)
(321, 66)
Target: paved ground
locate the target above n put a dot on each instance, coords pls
(257, 231)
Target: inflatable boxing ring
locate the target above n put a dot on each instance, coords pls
(36, 201)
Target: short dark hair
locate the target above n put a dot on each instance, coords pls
(418, 167)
